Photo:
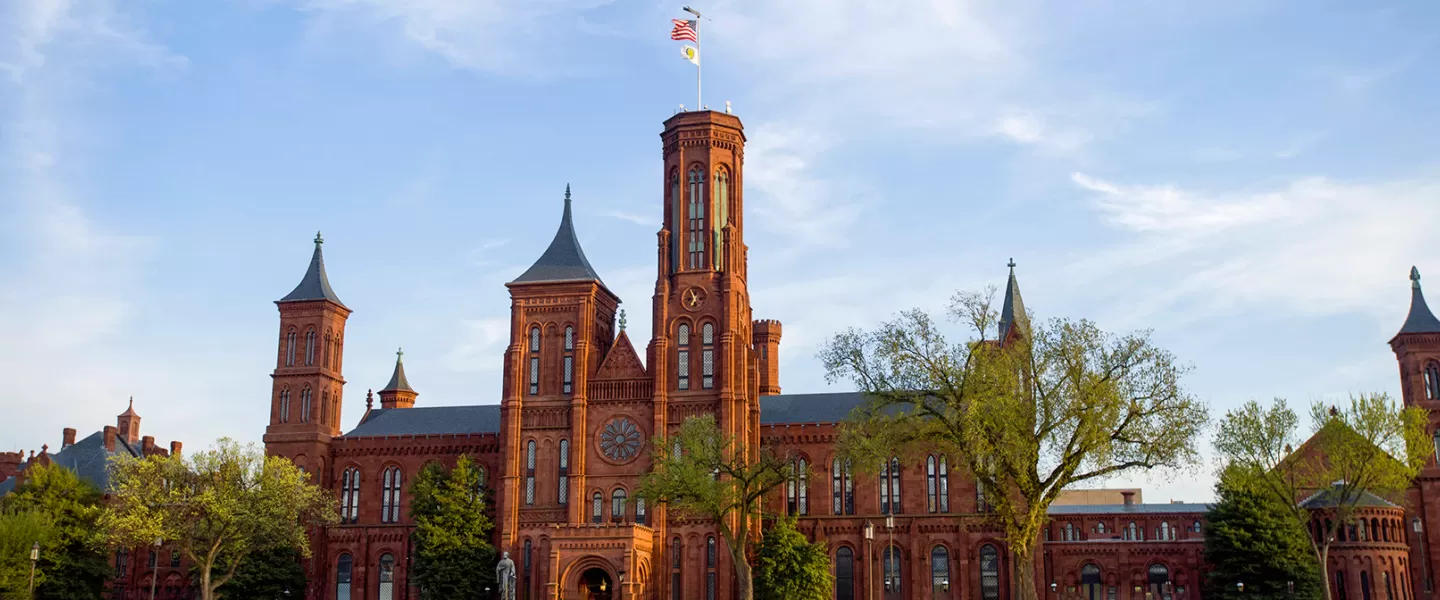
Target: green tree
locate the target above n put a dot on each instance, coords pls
(1371, 445)
(1043, 409)
(267, 575)
(76, 564)
(1252, 538)
(712, 477)
(19, 531)
(453, 554)
(218, 507)
(790, 567)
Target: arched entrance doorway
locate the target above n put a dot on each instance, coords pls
(595, 584)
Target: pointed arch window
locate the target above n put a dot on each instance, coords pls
(890, 560)
(597, 504)
(640, 510)
(682, 358)
(390, 496)
(290, 348)
(677, 210)
(350, 495)
(707, 356)
(564, 493)
(939, 570)
(844, 574)
(677, 558)
(710, 559)
(569, 361)
(989, 572)
(931, 485)
(797, 489)
(328, 356)
(285, 405)
(695, 213)
(526, 559)
(324, 405)
(890, 487)
(387, 577)
(344, 572)
(982, 504)
(1437, 446)
(722, 214)
(944, 486)
(842, 488)
(310, 347)
(1365, 585)
(534, 361)
(1432, 380)
(305, 395)
(617, 504)
(530, 472)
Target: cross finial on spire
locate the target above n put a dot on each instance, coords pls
(1414, 277)
(399, 353)
(1011, 264)
(622, 319)
(132, 402)
(567, 191)
(318, 240)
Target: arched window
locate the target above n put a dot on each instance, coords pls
(944, 486)
(696, 214)
(324, 405)
(1436, 439)
(707, 356)
(890, 487)
(285, 405)
(989, 573)
(596, 504)
(534, 361)
(1195, 527)
(982, 504)
(617, 504)
(677, 204)
(530, 472)
(344, 571)
(1432, 381)
(677, 558)
(569, 361)
(710, 559)
(305, 395)
(1159, 580)
(290, 348)
(931, 485)
(939, 570)
(890, 561)
(326, 356)
(802, 484)
(640, 510)
(842, 488)
(479, 478)
(844, 574)
(350, 495)
(1069, 535)
(1378, 533)
(387, 577)
(310, 347)
(722, 213)
(390, 496)
(1389, 590)
(562, 496)
(525, 559)
(682, 360)
(1132, 532)
(1165, 532)
(1340, 584)
(1365, 585)
(1100, 527)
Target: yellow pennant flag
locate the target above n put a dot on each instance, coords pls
(691, 54)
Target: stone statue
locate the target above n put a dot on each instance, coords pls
(505, 576)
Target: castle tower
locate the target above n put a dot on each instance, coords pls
(305, 400)
(397, 393)
(127, 424)
(562, 324)
(1417, 350)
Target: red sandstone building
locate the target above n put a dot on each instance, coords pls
(566, 445)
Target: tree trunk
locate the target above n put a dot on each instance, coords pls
(1322, 552)
(1024, 575)
(745, 586)
(206, 592)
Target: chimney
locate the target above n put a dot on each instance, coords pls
(1129, 497)
(110, 438)
(67, 437)
(175, 448)
(765, 337)
(147, 445)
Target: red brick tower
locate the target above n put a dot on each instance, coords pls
(127, 424)
(306, 397)
(1417, 348)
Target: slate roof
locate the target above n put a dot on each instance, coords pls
(1013, 310)
(398, 382)
(429, 420)
(1138, 509)
(7, 486)
(315, 285)
(1420, 319)
(564, 260)
(87, 458)
(808, 408)
(1326, 498)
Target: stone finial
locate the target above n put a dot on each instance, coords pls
(1011, 264)
(369, 399)
(1414, 278)
(622, 319)
(318, 239)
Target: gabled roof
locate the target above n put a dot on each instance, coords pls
(1012, 313)
(398, 382)
(429, 421)
(1420, 319)
(315, 285)
(564, 260)
(808, 408)
(621, 362)
(89, 459)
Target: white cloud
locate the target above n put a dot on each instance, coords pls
(480, 342)
(787, 195)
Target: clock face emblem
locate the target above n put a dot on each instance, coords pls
(693, 298)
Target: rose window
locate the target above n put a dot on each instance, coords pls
(621, 440)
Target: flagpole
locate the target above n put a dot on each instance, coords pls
(699, 55)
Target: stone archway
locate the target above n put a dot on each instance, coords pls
(595, 583)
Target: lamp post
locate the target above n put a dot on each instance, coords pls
(155, 571)
(34, 558)
(889, 549)
(869, 560)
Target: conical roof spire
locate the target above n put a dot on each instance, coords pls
(398, 382)
(315, 285)
(1420, 319)
(1012, 312)
(130, 411)
(564, 260)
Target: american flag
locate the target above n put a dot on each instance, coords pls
(684, 30)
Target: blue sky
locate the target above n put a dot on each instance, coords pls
(1250, 179)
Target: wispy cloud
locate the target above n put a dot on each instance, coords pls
(632, 217)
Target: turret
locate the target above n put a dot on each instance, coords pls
(127, 425)
(397, 393)
(766, 338)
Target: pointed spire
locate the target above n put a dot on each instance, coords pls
(315, 285)
(564, 260)
(130, 411)
(1012, 312)
(1420, 319)
(398, 383)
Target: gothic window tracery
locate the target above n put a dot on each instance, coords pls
(534, 360)
(569, 360)
(707, 356)
(890, 487)
(350, 495)
(390, 496)
(621, 440)
(682, 360)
